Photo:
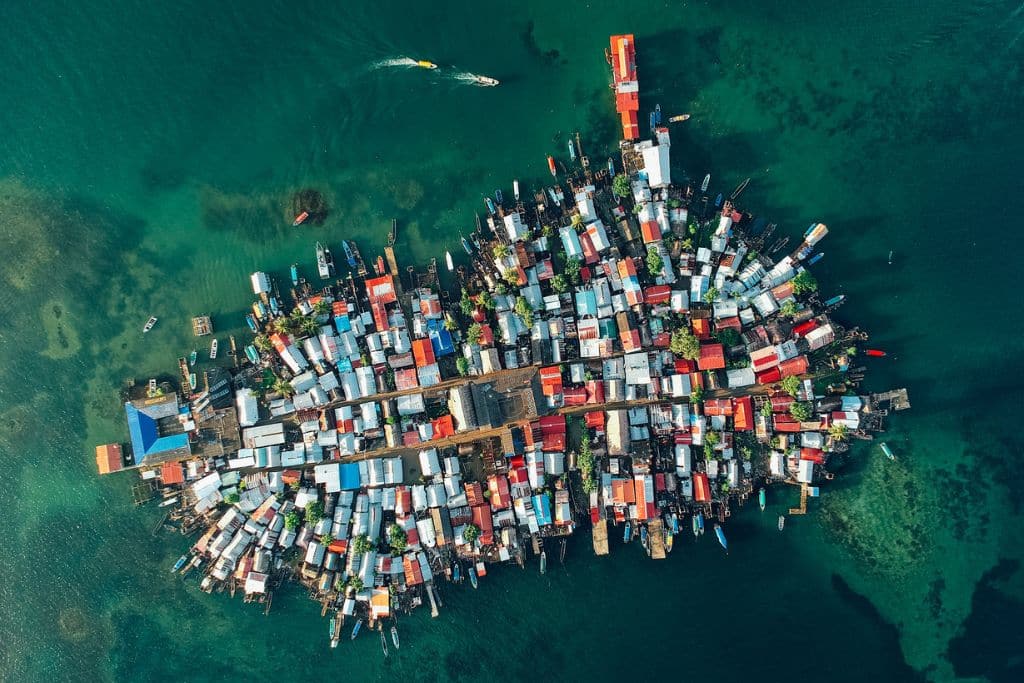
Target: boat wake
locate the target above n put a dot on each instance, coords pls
(473, 79)
(394, 62)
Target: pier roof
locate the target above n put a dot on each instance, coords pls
(108, 458)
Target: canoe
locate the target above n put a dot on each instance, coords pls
(762, 499)
(300, 218)
(551, 166)
(721, 538)
(875, 353)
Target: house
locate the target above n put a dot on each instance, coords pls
(109, 458)
(157, 435)
(712, 357)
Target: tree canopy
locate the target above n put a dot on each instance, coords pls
(314, 511)
(397, 538)
(362, 544)
(470, 533)
(684, 344)
(559, 283)
(572, 270)
(791, 385)
(474, 333)
(804, 283)
(291, 520)
(654, 262)
(801, 410)
(620, 185)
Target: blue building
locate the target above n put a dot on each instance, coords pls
(156, 432)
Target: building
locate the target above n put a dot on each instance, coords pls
(157, 435)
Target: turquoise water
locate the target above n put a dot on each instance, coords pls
(148, 154)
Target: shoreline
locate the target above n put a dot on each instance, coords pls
(643, 471)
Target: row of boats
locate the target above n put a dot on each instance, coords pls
(335, 632)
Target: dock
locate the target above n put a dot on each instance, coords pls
(600, 537)
(202, 325)
(656, 536)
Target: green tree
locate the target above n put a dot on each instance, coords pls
(284, 387)
(511, 277)
(474, 333)
(713, 438)
(314, 511)
(804, 283)
(486, 301)
(466, 304)
(710, 295)
(524, 311)
(327, 539)
(572, 270)
(450, 324)
(355, 584)
(728, 336)
(791, 385)
(577, 220)
(839, 432)
(291, 520)
(548, 231)
(654, 262)
(397, 538)
(262, 343)
(283, 325)
(684, 344)
(789, 309)
(321, 307)
(462, 365)
(800, 410)
(766, 409)
(470, 533)
(232, 498)
(620, 185)
(501, 288)
(309, 325)
(696, 395)
(559, 284)
(362, 544)
(587, 465)
(500, 251)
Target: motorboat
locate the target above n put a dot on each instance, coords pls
(762, 499)
(817, 257)
(472, 576)
(149, 324)
(252, 354)
(213, 350)
(349, 254)
(300, 218)
(875, 353)
(180, 563)
(192, 357)
(572, 151)
(192, 381)
(700, 523)
(657, 114)
(543, 561)
(448, 260)
(611, 167)
(499, 197)
(782, 522)
(679, 119)
(466, 245)
(424, 64)
(295, 274)
(888, 451)
(515, 189)
(721, 538)
(707, 181)
(490, 205)
(355, 629)
(836, 300)
(485, 81)
(627, 534)
(394, 636)
(250, 320)
(323, 261)
(551, 166)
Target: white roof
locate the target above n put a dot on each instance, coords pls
(248, 407)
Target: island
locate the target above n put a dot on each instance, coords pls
(616, 353)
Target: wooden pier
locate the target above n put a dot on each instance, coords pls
(202, 326)
(802, 510)
(600, 537)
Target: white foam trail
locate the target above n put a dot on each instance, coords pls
(394, 62)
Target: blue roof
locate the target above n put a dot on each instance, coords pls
(586, 303)
(440, 338)
(344, 364)
(343, 323)
(145, 437)
(542, 509)
(350, 476)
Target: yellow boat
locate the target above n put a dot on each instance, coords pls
(425, 64)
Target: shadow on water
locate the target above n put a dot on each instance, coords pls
(891, 634)
(991, 642)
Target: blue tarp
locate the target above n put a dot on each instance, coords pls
(542, 510)
(440, 338)
(350, 476)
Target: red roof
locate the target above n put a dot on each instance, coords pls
(443, 427)
(733, 322)
(574, 396)
(406, 379)
(381, 289)
(659, 481)
(718, 406)
(108, 458)
(815, 455)
(651, 231)
(712, 357)
(594, 418)
(683, 366)
(780, 424)
(589, 253)
(172, 473)
(486, 335)
(474, 493)
(701, 328)
(551, 380)
(630, 340)
(482, 518)
(552, 424)
(768, 376)
(804, 327)
(657, 294)
(701, 489)
(412, 570)
(743, 414)
(423, 352)
(794, 366)
(781, 404)
(595, 391)
(553, 443)
(497, 484)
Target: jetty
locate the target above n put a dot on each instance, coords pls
(621, 350)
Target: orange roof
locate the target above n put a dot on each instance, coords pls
(444, 427)
(712, 357)
(650, 231)
(701, 489)
(474, 494)
(172, 473)
(423, 352)
(108, 458)
(381, 289)
(743, 414)
(701, 328)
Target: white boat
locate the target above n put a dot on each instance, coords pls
(323, 261)
(890, 259)
(704, 185)
(782, 522)
(448, 260)
(485, 80)
(149, 325)
(515, 189)
(213, 349)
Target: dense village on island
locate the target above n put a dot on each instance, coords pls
(620, 355)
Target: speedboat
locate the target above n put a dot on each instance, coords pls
(252, 354)
(192, 357)
(515, 189)
(300, 218)
(543, 561)
(888, 451)
(349, 255)
(485, 80)
(394, 636)
(551, 166)
(424, 64)
(835, 300)
(762, 499)
(572, 151)
(180, 563)
(213, 350)
(490, 205)
(448, 260)
(472, 575)
(250, 320)
(295, 274)
(721, 538)
(192, 381)
(323, 261)
(875, 353)
(704, 185)
(355, 629)
(466, 245)
(627, 534)
(149, 325)
(679, 119)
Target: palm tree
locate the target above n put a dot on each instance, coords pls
(309, 325)
(321, 307)
(283, 325)
(284, 387)
(262, 343)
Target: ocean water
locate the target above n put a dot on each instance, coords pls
(148, 154)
